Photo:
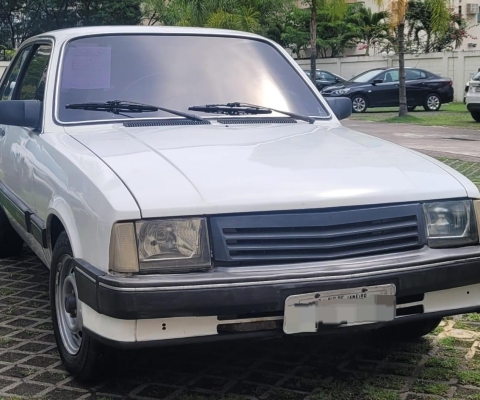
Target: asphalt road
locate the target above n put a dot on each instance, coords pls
(433, 140)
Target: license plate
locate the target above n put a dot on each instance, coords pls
(344, 307)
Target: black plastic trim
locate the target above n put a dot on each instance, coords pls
(15, 207)
(276, 333)
(134, 303)
(23, 215)
(38, 230)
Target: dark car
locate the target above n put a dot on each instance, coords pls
(325, 78)
(380, 88)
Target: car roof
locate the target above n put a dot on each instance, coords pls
(70, 33)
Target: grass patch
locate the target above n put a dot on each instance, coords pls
(436, 373)
(439, 389)
(470, 377)
(449, 342)
(442, 362)
(469, 169)
(467, 326)
(474, 317)
(454, 114)
(373, 393)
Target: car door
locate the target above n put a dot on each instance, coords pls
(416, 83)
(385, 94)
(19, 144)
(324, 79)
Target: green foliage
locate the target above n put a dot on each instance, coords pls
(433, 27)
(22, 19)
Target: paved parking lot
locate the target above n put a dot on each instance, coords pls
(433, 140)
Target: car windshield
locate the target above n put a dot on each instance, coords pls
(366, 76)
(177, 71)
(476, 77)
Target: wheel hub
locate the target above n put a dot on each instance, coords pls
(69, 315)
(71, 304)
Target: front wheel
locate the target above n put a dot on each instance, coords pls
(475, 115)
(409, 330)
(432, 102)
(80, 353)
(359, 104)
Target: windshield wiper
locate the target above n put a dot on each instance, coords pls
(238, 108)
(119, 107)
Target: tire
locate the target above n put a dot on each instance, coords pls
(11, 242)
(432, 102)
(411, 108)
(82, 356)
(410, 330)
(475, 115)
(359, 103)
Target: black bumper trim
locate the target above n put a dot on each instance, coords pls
(251, 299)
(276, 333)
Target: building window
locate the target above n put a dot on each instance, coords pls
(460, 11)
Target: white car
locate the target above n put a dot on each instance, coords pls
(472, 97)
(193, 185)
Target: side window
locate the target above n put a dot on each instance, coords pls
(32, 86)
(412, 74)
(390, 76)
(328, 77)
(6, 90)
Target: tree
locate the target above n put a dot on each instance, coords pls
(296, 34)
(21, 19)
(421, 31)
(333, 8)
(397, 16)
(373, 27)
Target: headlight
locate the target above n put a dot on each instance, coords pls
(166, 245)
(450, 223)
(339, 92)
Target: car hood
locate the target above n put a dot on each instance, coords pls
(209, 169)
(346, 84)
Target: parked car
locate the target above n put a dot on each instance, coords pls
(170, 212)
(380, 88)
(472, 98)
(325, 78)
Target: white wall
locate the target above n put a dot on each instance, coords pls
(457, 65)
(3, 67)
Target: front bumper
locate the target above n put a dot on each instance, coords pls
(249, 292)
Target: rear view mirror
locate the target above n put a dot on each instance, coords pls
(24, 113)
(341, 106)
(375, 81)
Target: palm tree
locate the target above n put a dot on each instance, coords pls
(419, 17)
(372, 26)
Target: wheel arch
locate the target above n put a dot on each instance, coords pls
(60, 219)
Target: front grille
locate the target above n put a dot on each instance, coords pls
(298, 237)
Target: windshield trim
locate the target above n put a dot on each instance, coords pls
(366, 72)
(277, 47)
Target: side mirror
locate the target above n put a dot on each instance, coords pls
(375, 81)
(25, 113)
(341, 106)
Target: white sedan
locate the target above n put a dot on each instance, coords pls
(191, 184)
